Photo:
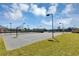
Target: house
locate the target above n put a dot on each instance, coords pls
(1, 29)
(76, 30)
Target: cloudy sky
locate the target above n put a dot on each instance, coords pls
(34, 15)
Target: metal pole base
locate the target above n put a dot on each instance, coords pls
(53, 39)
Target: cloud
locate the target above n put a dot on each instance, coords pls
(24, 7)
(15, 15)
(68, 9)
(53, 4)
(41, 11)
(15, 11)
(52, 9)
(65, 21)
(75, 20)
(48, 23)
(38, 11)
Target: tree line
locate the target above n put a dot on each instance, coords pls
(38, 30)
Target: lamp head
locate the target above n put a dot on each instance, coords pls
(48, 15)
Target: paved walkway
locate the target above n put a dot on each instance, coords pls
(23, 39)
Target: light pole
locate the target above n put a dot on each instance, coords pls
(59, 29)
(17, 28)
(62, 27)
(28, 27)
(23, 26)
(16, 31)
(52, 25)
(10, 27)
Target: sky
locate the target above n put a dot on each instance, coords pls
(34, 15)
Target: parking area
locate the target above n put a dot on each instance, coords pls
(23, 39)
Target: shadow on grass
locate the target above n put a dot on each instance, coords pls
(53, 40)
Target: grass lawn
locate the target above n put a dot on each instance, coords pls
(68, 45)
(2, 47)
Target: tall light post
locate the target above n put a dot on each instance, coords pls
(10, 27)
(51, 11)
(62, 27)
(17, 28)
(23, 25)
(17, 31)
(52, 25)
(28, 27)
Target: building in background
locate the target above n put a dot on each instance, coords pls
(2, 29)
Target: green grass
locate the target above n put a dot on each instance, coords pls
(2, 47)
(67, 45)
